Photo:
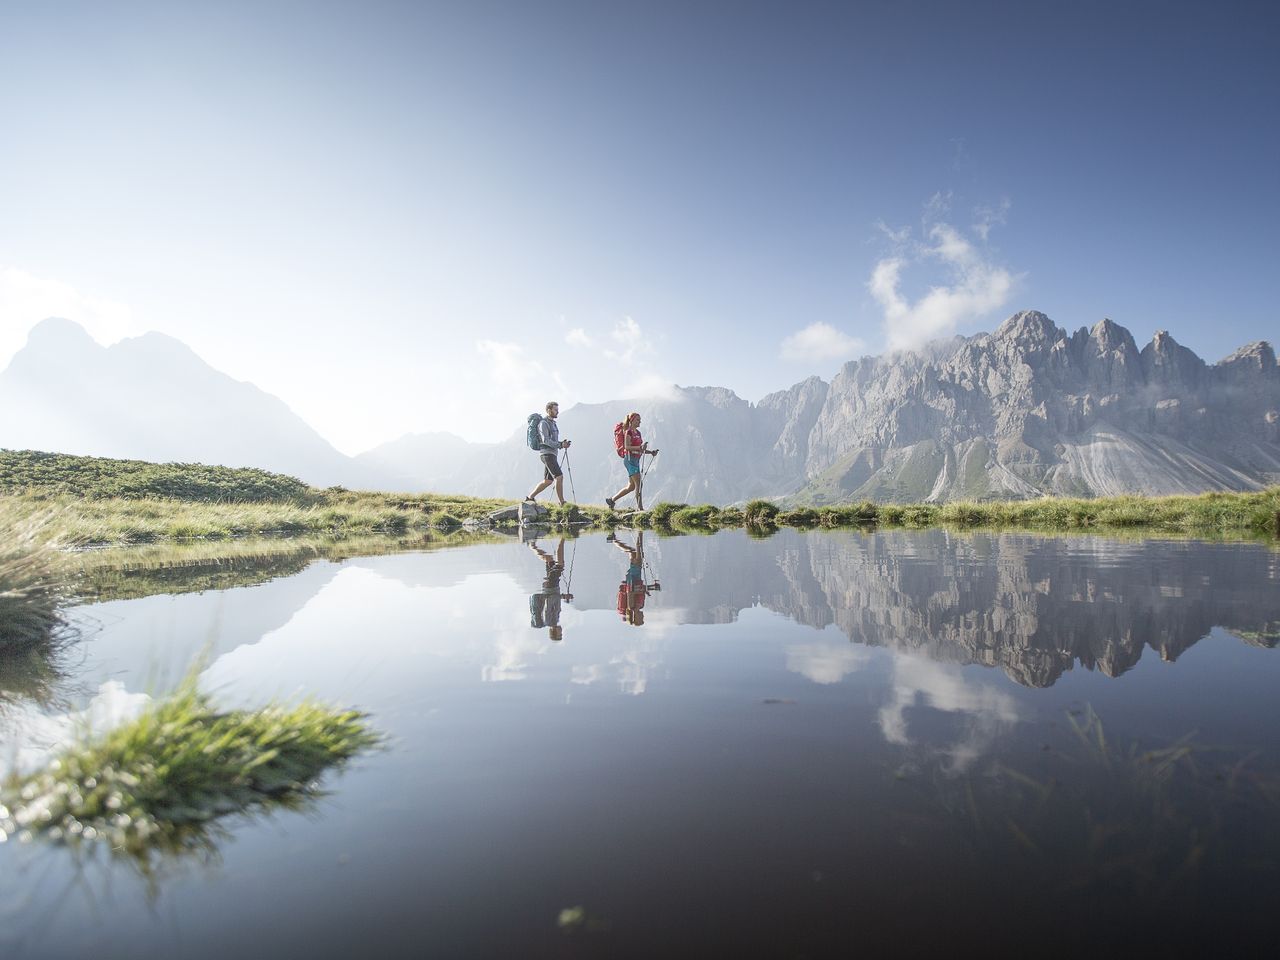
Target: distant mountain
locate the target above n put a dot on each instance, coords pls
(152, 398)
(1023, 411)
(424, 461)
(715, 447)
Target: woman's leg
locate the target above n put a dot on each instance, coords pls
(631, 485)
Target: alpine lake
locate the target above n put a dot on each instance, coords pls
(808, 744)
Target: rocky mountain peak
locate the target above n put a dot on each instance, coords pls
(1029, 326)
(1109, 335)
(1256, 356)
(721, 397)
(1169, 365)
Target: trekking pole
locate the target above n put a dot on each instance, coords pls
(568, 586)
(569, 468)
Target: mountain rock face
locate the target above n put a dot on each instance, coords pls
(1031, 409)
(153, 398)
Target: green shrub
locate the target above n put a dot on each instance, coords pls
(700, 516)
(800, 517)
(660, 515)
(759, 512)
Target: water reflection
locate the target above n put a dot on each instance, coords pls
(638, 582)
(1032, 606)
(816, 715)
(544, 606)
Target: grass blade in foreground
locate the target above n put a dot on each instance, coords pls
(154, 782)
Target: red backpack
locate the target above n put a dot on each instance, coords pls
(620, 438)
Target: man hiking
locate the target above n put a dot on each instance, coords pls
(549, 445)
(630, 447)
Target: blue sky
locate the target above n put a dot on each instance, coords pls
(417, 216)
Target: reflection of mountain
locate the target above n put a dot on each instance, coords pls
(1030, 605)
(1033, 606)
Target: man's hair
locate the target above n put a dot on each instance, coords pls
(550, 404)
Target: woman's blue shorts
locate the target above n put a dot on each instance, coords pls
(632, 464)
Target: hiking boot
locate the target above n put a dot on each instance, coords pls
(609, 502)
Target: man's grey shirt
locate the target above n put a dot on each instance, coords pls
(549, 435)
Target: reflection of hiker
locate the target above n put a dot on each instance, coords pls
(633, 589)
(549, 445)
(630, 447)
(544, 606)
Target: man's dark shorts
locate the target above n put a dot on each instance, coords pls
(550, 466)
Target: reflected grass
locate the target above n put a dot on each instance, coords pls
(1153, 822)
(122, 573)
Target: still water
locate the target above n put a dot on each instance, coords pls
(814, 744)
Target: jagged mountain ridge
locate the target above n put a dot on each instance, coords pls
(1030, 410)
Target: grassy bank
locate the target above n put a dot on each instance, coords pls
(91, 501)
(98, 500)
(154, 782)
(1250, 513)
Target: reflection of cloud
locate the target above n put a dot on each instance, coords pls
(917, 681)
(634, 665)
(826, 662)
(34, 736)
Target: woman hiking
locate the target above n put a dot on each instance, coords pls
(631, 447)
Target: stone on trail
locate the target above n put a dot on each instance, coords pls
(532, 512)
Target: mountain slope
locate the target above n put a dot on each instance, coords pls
(152, 398)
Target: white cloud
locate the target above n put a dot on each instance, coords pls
(975, 286)
(577, 337)
(630, 340)
(26, 299)
(937, 207)
(987, 217)
(650, 386)
(523, 383)
(818, 342)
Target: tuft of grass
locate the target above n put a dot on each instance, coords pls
(696, 518)
(181, 764)
(660, 514)
(30, 590)
(759, 513)
(800, 517)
